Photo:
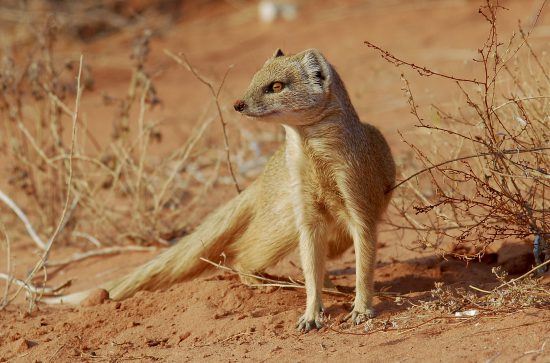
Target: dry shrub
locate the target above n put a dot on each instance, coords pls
(101, 192)
(485, 165)
(510, 296)
(90, 19)
(122, 192)
(35, 114)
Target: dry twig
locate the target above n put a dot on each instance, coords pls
(41, 264)
(8, 267)
(28, 226)
(215, 95)
(100, 252)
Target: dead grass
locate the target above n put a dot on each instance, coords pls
(509, 297)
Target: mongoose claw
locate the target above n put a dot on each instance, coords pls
(304, 324)
(359, 317)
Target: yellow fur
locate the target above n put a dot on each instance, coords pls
(322, 191)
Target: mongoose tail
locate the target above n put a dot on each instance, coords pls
(181, 261)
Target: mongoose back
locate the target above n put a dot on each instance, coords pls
(324, 190)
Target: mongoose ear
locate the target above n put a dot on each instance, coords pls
(317, 68)
(278, 53)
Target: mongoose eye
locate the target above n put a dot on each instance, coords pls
(275, 87)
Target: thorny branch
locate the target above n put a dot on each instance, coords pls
(423, 71)
(492, 153)
(494, 185)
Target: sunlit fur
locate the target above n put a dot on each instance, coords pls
(322, 191)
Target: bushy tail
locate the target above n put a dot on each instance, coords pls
(182, 261)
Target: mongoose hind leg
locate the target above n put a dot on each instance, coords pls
(339, 241)
(327, 283)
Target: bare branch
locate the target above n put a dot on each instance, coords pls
(423, 71)
(435, 166)
(215, 95)
(100, 252)
(28, 226)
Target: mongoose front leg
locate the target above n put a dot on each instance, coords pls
(364, 242)
(312, 252)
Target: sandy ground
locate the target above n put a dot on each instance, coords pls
(215, 317)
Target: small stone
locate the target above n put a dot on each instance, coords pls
(278, 326)
(221, 314)
(25, 345)
(96, 297)
(152, 342)
(132, 324)
(118, 304)
(184, 336)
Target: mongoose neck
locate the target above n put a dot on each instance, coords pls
(340, 98)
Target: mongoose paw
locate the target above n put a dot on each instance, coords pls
(359, 317)
(306, 323)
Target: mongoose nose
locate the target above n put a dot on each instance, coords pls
(239, 105)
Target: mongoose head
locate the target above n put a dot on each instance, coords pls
(289, 89)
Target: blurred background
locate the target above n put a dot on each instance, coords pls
(215, 34)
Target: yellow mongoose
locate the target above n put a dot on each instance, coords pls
(323, 190)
